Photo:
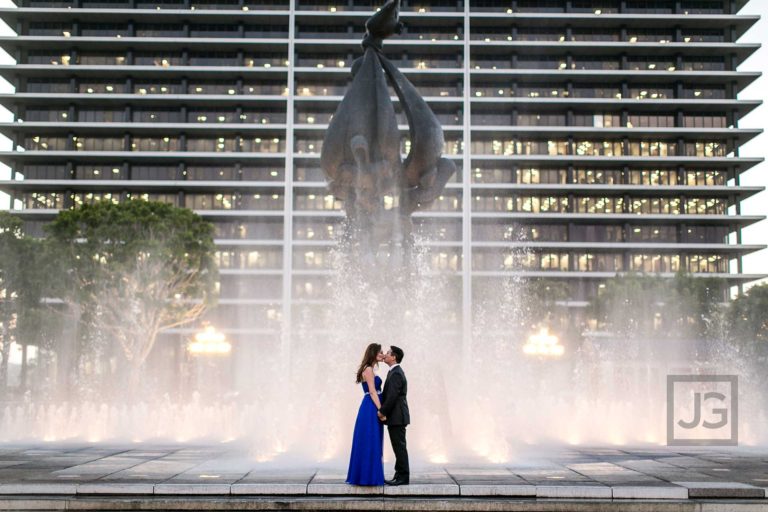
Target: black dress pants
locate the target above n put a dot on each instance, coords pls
(397, 437)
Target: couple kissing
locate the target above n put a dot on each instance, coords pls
(380, 407)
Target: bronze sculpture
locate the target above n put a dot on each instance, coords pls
(361, 151)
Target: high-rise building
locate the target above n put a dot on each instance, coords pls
(600, 135)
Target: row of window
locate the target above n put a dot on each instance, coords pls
(525, 175)
(151, 172)
(411, 31)
(238, 114)
(597, 233)
(483, 230)
(599, 204)
(535, 175)
(156, 58)
(484, 259)
(602, 34)
(85, 29)
(600, 262)
(598, 7)
(631, 63)
(512, 147)
(312, 146)
(426, 61)
(314, 88)
(266, 144)
(159, 115)
(305, 201)
(316, 258)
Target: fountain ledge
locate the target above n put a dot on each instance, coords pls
(676, 491)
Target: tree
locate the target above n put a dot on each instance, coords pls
(748, 317)
(136, 268)
(21, 285)
(637, 306)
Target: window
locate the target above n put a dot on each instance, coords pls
(703, 93)
(650, 93)
(594, 34)
(655, 205)
(541, 119)
(99, 172)
(598, 233)
(157, 115)
(89, 143)
(45, 143)
(597, 262)
(261, 258)
(104, 29)
(707, 234)
(155, 144)
(592, 148)
(706, 149)
(536, 175)
(48, 85)
(594, 63)
(652, 148)
(49, 29)
(102, 59)
(101, 87)
(705, 206)
(703, 36)
(705, 121)
(597, 176)
(48, 57)
(153, 172)
(159, 59)
(212, 145)
(43, 200)
(212, 201)
(650, 121)
(653, 177)
(705, 178)
(599, 204)
(101, 115)
(597, 120)
(704, 64)
(44, 172)
(654, 263)
(707, 263)
(650, 233)
(81, 198)
(45, 114)
(159, 30)
(650, 64)
(214, 30)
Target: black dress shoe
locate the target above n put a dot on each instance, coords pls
(390, 482)
(397, 482)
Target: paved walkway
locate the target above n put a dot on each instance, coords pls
(651, 473)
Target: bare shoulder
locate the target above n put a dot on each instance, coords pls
(367, 371)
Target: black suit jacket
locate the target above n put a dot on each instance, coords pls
(394, 404)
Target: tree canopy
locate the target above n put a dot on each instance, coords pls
(137, 268)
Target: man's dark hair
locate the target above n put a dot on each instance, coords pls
(398, 353)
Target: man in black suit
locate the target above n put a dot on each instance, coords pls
(394, 413)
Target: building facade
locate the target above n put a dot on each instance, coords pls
(591, 136)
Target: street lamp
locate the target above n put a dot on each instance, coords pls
(543, 343)
(209, 341)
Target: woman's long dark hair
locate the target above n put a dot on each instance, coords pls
(369, 359)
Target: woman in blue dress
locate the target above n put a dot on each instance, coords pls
(366, 466)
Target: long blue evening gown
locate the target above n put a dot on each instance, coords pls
(366, 466)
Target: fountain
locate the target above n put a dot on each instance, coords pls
(482, 396)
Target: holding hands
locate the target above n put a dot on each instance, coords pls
(382, 418)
